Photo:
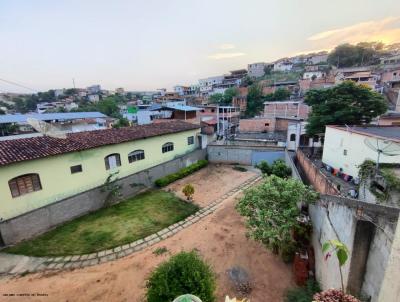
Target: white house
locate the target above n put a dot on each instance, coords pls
(256, 70)
(347, 148)
(283, 66)
(94, 98)
(311, 74)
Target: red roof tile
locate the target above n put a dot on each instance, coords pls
(17, 150)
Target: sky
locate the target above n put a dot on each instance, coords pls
(146, 45)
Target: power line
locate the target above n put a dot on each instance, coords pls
(19, 85)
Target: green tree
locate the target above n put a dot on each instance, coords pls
(184, 273)
(229, 94)
(347, 55)
(271, 209)
(255, 101)
(122, 122)
(216, 98)
(347, 103)
(108, 107)
(20, 105)
(268, 70)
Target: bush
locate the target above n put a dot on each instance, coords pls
(184, 273)
(188, 190)
(166, 180)
(303, 294)
(278, 168)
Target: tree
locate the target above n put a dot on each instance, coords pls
(347, 103)
(268, 69)
(122, 122)
(184, 273)
(108, 107)
(2, 112)
(188, 190)
(271, 210)
(347, 55)
(278, 168)
(229, 94)
(216, 98)
(255, 101)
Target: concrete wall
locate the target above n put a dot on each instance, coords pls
(245, 154)
(369, 246)
(40, 220)
(58, 183)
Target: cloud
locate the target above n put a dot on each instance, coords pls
(226, 55)
(386, 30)
(226, 46)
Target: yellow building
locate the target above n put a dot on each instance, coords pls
(39, 171)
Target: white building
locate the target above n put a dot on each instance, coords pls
(70, 106)
(283, 66)
(316, 59)
(297, 136)
(347, 148)
(311, 74)
(58, 92)
(207, 84)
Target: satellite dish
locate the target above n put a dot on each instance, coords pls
(46, 128)
(384, 147)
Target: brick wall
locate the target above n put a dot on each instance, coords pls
(314, 176)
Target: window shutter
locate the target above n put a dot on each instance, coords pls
(36, 182)
(107, 163)
(13, 188)
(118, 159)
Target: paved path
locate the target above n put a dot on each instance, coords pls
(17, 264)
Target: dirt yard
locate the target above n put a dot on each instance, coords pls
(219, 238)
(211, 182)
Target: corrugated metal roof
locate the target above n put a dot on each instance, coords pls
(21, 118)
(182, 107)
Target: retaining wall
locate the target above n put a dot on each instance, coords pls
(41, 220)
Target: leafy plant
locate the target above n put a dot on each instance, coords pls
(278, 168)
(334, 295)
(188, 190)
(342, 254)
(271, 210)
(182, 274)
(111, 187)
(303, 294)
(162, 182)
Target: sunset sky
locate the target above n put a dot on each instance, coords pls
(145, 45)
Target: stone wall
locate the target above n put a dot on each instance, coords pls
(41, 220)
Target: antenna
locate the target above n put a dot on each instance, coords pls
(45, 128)
(384, 147)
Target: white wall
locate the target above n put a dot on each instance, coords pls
(336, 141)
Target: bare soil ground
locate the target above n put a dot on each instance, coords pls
(219, 238)
(211, 182)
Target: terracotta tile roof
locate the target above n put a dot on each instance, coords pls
(17, 150)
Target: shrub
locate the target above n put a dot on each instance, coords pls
(166, 180)
(184, 273)
(303, 294)
(278, 168)
(188, 190)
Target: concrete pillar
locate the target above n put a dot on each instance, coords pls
(362, 239)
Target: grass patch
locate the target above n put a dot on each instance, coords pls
(160, 250)
(130, 220)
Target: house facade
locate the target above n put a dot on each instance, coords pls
(347, 148)
(40, 171)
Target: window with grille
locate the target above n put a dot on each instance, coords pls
(24, 184)
(135, 156)
(190, 140)
(112, 161)
(167, 147)
(76, 169)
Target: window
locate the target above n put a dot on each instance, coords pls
(112, 161)
(167, 147)
(24, 184)
(345, 152)
(76, 169)
(190, 140)
(135, 156)
(292, 137)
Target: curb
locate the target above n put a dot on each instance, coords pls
(80, 261)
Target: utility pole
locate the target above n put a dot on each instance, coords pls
(73, 82)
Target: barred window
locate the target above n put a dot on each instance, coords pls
(190, 140)
(135, 156)
(167, 147)
(24, 184)
(112, 161)
(76, 169)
